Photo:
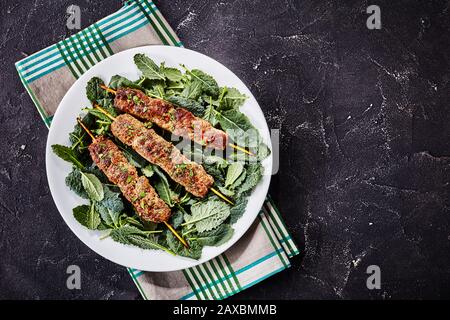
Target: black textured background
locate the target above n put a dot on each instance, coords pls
(364, 119)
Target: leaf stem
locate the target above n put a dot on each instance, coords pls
(190, 231)
(153, 231)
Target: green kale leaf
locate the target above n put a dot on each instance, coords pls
(148, 67)
(207, 215)
(238, 209)
(191, 105)
(194, 252)
(110, 207)
(193, 90)
(73, 181)
(93, 90)
(233, 173)
(233, 99)
(133, 236)
(87, 216)
(208, 83)
(235, 123)
(92, 186)
(171, 74)
(67, 154)
(163, 188)
(122, 82)
(254, 174)
(215, 237)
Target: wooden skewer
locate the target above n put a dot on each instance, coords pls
(104, 112)
(175, 233)
(108, 89)
(218, 193)
(86, 129)
(230, 144)
(241, 149)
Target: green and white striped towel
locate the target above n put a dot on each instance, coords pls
(47, 75)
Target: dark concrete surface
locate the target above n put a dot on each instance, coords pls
(364, 119)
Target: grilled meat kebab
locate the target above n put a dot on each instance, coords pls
(164, 154)
(166, 115)
(111, 161)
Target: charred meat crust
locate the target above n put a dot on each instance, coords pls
(166, 115)
(111, 161)
(164, 154)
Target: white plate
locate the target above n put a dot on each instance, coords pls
(64, 121)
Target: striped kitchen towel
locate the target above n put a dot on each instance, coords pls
(263, 251)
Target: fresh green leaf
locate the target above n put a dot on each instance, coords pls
(73, 181)
(103, 226)
(171, 74)
(151, 84)
(110, 207)
(215, 171)
(97, 172)
(207, 215)
(93, 90)
(193, 90)
(263, 151)
(98, 114)
(164, 192)
(67, 154)
(122, 82)
(135, 221)
(108, 105)
(191, 105)
(87, 216)
(239, 180)
(80, 139)
(176, 219)
(157, 90)
(219, 161)
(233, 172)
(215, 237)
(185, 199)
(210, 115)
(148, 68)
(254, 174)
(148, 243)
(233, 99)
(163, 188)
(226, 192)
(235, 123)
(238, 209)
(208, 84)
(194, 252)
(133, 236)
(93, 186)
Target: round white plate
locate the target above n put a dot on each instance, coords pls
(65, 119)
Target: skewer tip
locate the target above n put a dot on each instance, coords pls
(86, 129)
(175, 233)
(220, 195)
(96, 106)
(108, 89)
(242, 149)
